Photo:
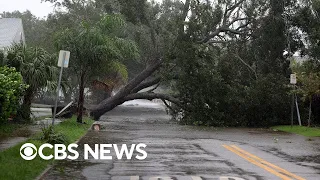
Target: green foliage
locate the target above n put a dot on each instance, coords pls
(113, 24)
(121, 69)
(97, 47)
(72, 129)
(240, 82)
(66, 132)
(11, 89)
(49, 135)
(302, 130)
(6, 130)
(220, 91)
(133, 10)
(12, 166)
(97, 50)
(306, 19)
(200, 88)
(267, 102)
(308, 79)
(37, 68)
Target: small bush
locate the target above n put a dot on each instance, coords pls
(11, 89)
(49, 135)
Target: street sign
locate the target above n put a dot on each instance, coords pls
(63, 62)
(293, 79)
(64, 56)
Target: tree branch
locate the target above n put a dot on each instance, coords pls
(216, 33)
(225, 27)
(183, 17)
(217, 42)
(151, 90)
(168, 106)
(235, 6)
(243, 26)
(238, 19)
(210, 36)
(151, 96)
(246, 64)
(110, 103)
(138, 79)
(146, 84)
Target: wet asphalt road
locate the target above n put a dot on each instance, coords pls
(191, 153)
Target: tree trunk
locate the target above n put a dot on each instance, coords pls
(24, 112)
(81, 99)
(309, 120)
(129, 92)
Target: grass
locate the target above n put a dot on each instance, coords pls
(7, 129)
(302, 130)
(72, 129)
(12, 166)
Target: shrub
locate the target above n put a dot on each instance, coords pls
(11, 89)
(49, 135)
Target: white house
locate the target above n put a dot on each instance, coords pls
(11, 31)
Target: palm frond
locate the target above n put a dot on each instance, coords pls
(35, 65)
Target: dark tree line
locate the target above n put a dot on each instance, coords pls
(221, 63)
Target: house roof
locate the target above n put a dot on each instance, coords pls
(11, 31)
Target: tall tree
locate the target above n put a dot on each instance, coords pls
(95, 50)
(181, 34)
(216, 56)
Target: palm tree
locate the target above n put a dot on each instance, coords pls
(96, 51)
(37, 69)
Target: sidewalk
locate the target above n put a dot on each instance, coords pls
(32, 129)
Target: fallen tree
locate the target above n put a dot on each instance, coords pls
(131, 92)
(230, 25)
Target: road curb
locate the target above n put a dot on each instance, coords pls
(41, 176)
(44, 172)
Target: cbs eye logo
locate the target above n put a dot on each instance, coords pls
(28, 151)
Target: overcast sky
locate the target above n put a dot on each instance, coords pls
(35, 6)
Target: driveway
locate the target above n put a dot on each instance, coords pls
(191, 153)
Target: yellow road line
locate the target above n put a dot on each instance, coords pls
(267, 163)
(251, 160)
